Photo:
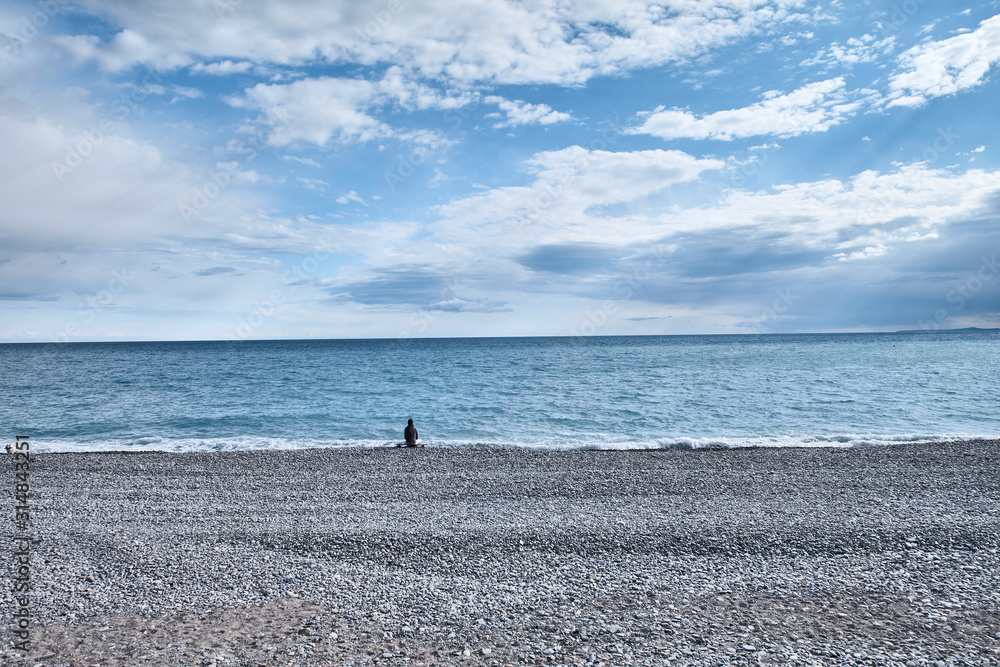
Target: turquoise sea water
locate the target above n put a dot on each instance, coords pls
(547, 393)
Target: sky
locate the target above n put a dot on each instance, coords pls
(253, 169)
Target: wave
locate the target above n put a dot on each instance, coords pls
(257, 443)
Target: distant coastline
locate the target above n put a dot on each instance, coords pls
(936, 331)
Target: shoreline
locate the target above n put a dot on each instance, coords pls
(857, 555)
(832, 442)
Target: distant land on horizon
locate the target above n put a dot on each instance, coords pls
(931, 331)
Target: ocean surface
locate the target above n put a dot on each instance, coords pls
(837, 390)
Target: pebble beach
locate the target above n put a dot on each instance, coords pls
(856, 556)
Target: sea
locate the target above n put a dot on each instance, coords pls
(551, 393)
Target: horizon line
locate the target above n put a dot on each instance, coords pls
(414, 338)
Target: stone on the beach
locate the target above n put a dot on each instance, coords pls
(532, 556)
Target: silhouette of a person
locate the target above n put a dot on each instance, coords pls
(410, 434)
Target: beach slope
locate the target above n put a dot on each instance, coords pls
(494, 557)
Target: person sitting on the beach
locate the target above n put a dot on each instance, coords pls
(410, 434)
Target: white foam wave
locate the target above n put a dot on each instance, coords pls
(255, 443)
(157, 444)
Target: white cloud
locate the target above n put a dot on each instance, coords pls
(316, 110)
(185, 93)
(250, 176)
(876, 208)
(151, 89)
(865, 253)
(128, 48)
(557, 236)
(70, 185)
(328, 109)
(457, 305)
(568, 184)
(301, 160)
(439, 178)
(85, 208)
(180, 92)
(813, 108)
(928, 28)
(864, 216)
(314, 184)
(498, 41)
(605, 177)
(396, 84)
(351, 196)
(85, 187)
(519, 112)
(222, 68)
(854, 51)
(945, 67)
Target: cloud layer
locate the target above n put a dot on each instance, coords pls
(812, 108)
(947, 66)
(474, 167)
(543, 41)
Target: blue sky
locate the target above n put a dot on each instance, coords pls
(237, 169)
